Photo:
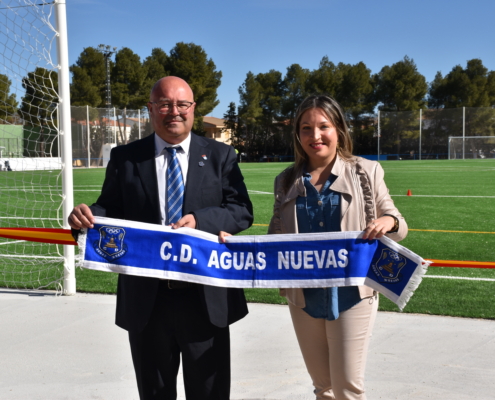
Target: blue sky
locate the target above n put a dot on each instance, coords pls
(259, 35)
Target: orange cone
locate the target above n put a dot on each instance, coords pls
(409, 192)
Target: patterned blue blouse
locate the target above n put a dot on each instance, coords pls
(320, 212)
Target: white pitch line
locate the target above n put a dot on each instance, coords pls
(446, 169)
(56, 192)
(29, 190)
(32, 218)
(459, 277)
(25, 256)
(258, 192)
(17, 241)
(392, 195)
(264, 170)
(435, 195)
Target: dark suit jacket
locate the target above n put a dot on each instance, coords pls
(215, 193)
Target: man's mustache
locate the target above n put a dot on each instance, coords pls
(175, 119)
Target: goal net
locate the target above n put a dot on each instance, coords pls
(31, 167)
(462, 147)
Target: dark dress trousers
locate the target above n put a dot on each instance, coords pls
(217, 196)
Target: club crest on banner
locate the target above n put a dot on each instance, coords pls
(111, 244)
(388, 266)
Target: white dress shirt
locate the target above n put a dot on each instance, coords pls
(162, 158)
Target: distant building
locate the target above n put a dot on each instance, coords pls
(139, 122)
(118, 130)
(215, 129)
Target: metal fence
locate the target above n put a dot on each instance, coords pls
(96, 130)
(414, 135)
(424, 134)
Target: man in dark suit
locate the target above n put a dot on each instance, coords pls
(169, 319)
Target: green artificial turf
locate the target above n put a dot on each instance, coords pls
(450, 216)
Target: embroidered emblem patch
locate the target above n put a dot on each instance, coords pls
(111, 244)
(387, 268)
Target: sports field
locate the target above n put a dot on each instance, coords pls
(451, 216)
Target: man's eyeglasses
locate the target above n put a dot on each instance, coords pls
(165, 107)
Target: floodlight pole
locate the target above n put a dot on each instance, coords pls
(379, 135)
(69, 287)
(463, 132)
(88, 134)
(107, 53)
(420, 128)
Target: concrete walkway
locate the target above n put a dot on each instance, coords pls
(69, 348)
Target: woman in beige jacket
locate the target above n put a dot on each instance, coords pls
(328, 189)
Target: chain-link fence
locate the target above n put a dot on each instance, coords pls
(414, 135)
(425, 134)
(96, 130)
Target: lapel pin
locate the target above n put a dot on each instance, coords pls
(201, 164)
(204, 157)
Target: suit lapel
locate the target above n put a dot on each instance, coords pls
(145, 163)
(198, 150)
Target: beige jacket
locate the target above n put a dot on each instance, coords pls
(364, 196)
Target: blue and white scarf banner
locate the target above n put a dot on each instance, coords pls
(260, 261)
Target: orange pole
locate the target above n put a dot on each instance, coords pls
(461, 264)
(42, 235)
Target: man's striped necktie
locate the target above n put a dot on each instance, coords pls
(175, 187)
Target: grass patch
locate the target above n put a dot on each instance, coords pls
(472, 299)
(88, 280)
(266, 296)
(442, 200)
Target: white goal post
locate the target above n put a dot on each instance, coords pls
(463, 147)
(36, 188)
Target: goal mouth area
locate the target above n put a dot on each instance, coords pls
(471, 147)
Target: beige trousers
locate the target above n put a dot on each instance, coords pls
(335, 351)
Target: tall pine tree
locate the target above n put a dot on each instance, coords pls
(191, 63)
(8, 102)
(128, 77)
(401, 87)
